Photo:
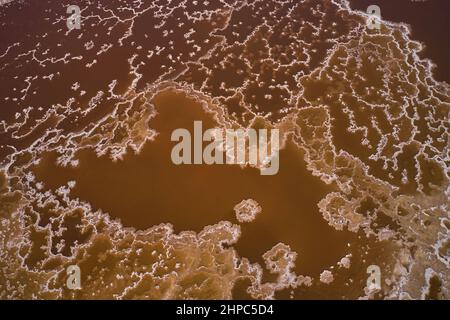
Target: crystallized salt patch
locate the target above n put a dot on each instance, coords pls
(345, 262)
(326, 277)
(247, 210)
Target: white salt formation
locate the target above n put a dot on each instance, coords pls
(326, 277)
(247, 210)
(345, 262)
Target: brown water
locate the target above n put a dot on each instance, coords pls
(148, 189)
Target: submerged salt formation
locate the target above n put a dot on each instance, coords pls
(360, 105)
